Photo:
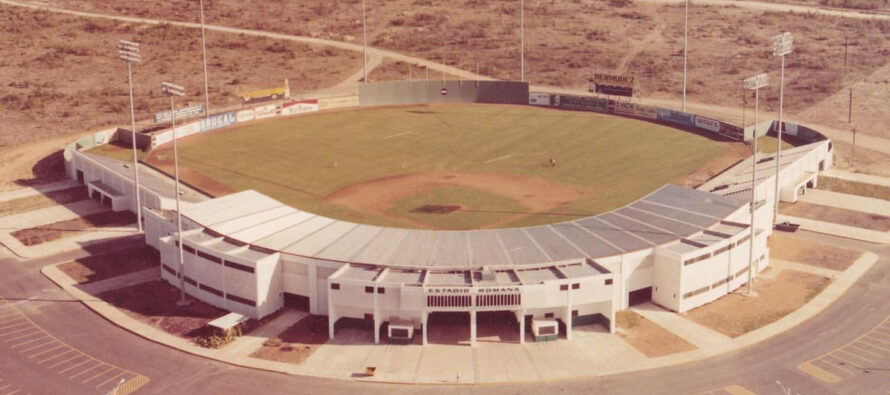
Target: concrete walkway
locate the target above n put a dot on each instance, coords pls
(126, 280)
(592, 352)
(850, 232)
(802, 267)
(863, 178)
(701, 336)
(54, 214)
(247, 344)
(38, 190)
(847, 202)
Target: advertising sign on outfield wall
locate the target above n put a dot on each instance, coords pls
(624, 108)
(644, 111)
(99, 138)
(245, 115)
(676, 117)
(217, 121)
(585, 103)
(788, 128)
(266, 111)
(732, 131)
(182, 113)
(539, 99)
(338, 102)
(299, 106)
(707, 124)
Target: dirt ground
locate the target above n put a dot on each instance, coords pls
(154, 303)
(837, 215)
(737, 314)
(377, 196)
(31, 203)
(647, 337)
(792, 249)
(46, 233)
(100, 267)
(62, 75)
(296, 343)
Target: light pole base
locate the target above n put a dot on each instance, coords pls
(183, 303)
(752, 294)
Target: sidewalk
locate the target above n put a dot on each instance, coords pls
(850, 232)
(592, 352)
(38, 190)
(863, 178)
(126, 280)
(51, 215)
(247, 344)
(847, 202)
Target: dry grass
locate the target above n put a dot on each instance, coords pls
(296, 343)
(58, 230)
(836, 215)
(736, 314)
(63, 77)
(154, 303)
(647, 337)
(854, 188)
(807, 252)
(867, 161)
(100, 267)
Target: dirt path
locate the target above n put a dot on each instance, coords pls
(640, 45)
(777, 7)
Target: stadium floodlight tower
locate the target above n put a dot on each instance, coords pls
(754, 83)
(782, 45)
(521, 40)
(173, 91)
(128, 51)
(206, 78)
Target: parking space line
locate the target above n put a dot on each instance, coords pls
(852, 357)
(5, 386)
(110, 380)
(72, 367)
(67, 360)
(90, 369)
(32, 356)
(98, 375)
(880, 338)
(16, 331)
(844, 358)
(13, 392)
(19, 336)
(24, 350)
(862, 347)
(31, 339)
(21, 321)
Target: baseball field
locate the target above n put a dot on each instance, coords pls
(445, 166)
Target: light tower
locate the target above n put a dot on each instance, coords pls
(128, 51)
(754, 83)
(173, 91)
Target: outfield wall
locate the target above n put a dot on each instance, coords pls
(426, 92)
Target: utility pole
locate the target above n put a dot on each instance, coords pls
(685, 50)
(782, 45)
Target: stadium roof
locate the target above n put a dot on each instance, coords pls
(664, 216)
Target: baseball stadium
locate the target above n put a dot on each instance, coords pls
(419, 202)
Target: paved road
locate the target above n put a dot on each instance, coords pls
(171, 372)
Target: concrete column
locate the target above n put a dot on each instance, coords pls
(424, 319)
(376, 319)
(312, 275)
(521, 317)
(332, 315)
(473, 328)
(568, 315)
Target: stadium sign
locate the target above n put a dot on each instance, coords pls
(732, 131)
(614, 90)
(585, 103)
(756, 82)
(676, 117)
(299, 107)
(783, 44)
(613, 80)
(266, 111)
(218, 121)
(539, 99)
(182, 113)
(471, 290)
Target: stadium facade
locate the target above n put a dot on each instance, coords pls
(678, 247)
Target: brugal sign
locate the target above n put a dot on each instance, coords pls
(471, 290)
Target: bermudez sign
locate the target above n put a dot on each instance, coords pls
(615, 80)
(182, 113)
(471, 290)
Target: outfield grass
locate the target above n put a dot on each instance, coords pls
(300, 160)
